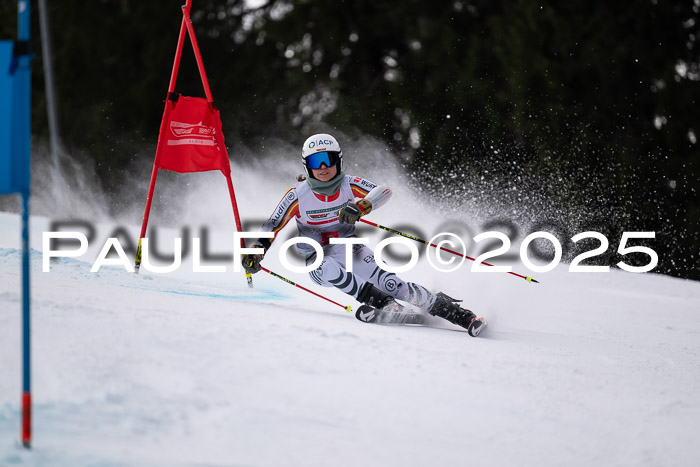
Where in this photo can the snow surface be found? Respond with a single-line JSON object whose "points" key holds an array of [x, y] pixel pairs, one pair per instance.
{"points": [[197, 369]]}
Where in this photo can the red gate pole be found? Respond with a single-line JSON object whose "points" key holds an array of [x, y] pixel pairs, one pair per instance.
{"points": [[207, 91], [154, 174], [197, 55], [248, 276], [147, 212], [180, 45]]}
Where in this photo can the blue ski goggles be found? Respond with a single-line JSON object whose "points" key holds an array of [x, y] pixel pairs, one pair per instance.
{"points": [[330, 158]]}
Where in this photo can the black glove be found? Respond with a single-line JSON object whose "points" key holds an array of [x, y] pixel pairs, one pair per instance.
{"points": [[352, 212], [251, 262]]}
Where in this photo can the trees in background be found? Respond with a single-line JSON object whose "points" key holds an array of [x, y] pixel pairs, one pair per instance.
{"points": [[592, 104]]}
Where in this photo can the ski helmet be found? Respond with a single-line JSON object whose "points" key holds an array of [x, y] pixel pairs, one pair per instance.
{"points": [[320, 149]]}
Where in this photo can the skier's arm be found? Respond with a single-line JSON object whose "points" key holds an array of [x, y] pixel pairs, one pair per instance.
{"points": [[379, 196], [376, 197], [287, 208]]}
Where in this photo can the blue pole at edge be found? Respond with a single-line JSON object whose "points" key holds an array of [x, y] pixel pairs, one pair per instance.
{"points": [[26, 329], [21, 154]]}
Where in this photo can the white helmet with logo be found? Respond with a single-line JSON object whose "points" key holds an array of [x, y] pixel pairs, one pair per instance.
{"points": [[320, 149]]}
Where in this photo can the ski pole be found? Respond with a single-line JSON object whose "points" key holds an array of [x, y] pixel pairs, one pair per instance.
{"points": [[420, 240], [347, 308]]}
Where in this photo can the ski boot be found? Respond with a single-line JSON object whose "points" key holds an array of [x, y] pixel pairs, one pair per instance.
{"points": [[381, 308], [446, 307], [372, 296]]}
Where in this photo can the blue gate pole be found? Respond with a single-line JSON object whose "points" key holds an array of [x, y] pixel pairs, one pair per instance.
{"points": [[21, 168], [26, 329]]}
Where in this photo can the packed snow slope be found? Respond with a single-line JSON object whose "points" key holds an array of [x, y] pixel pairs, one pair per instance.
{"points": [[198, 369]]}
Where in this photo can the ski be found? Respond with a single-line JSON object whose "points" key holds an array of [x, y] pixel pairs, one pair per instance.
{"points": [[368, 314], [401, 316]]}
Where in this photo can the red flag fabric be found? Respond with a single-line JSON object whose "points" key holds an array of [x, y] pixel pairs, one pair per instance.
{"points": [[190, 137]]}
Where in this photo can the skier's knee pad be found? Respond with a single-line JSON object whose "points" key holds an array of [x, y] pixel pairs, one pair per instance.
{"points": [[318, 275], [332, 274], [391, 284]]}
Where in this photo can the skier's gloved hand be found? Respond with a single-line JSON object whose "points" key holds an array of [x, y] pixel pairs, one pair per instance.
{"points": [[251, 262], [352, 212]]}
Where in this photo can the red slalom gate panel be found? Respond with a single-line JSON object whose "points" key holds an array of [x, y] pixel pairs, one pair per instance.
{"points": [[190, 137]]}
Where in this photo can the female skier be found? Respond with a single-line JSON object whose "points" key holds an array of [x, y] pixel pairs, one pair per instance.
{"points": [[324, 205]]}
